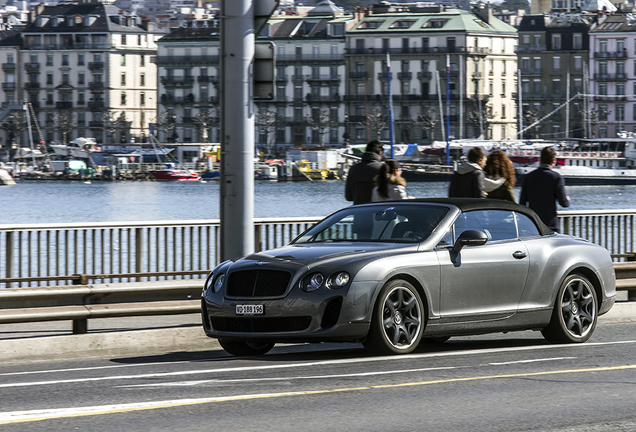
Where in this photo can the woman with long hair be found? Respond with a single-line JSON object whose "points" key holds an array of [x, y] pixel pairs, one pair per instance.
{"points": [[499, 166], [390, 185]]}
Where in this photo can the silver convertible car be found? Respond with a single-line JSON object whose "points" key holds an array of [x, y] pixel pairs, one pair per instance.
{"points": [[394, 274]]}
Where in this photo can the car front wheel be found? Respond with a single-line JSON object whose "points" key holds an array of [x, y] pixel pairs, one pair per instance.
{"points": [[398, 320], [575, 312], [244, 349]]}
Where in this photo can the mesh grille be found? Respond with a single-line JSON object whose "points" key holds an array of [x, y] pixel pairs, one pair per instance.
{"points": [[260, 325], [258, 283]]}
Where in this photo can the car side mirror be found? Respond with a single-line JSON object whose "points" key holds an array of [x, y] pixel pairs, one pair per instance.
{"points": [[470, 238]]}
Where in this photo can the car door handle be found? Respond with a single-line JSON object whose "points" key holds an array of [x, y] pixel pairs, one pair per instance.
{"points": [[519, 255]]}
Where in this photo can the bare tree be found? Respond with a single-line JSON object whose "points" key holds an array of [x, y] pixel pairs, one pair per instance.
{"points": [[266, 121], [13, 125], [321, 122], [64, 123], [427, 119], [592, 117], [377, 122], [167, 122], [479, 117], [530, 117], [109, 124], [204, 120]]}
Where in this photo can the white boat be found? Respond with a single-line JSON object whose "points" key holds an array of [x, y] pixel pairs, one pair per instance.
{"points": [[79, 148], [604, 161]]}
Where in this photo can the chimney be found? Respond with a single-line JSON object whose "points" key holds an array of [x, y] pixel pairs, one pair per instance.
{"points": [[484, 12]]}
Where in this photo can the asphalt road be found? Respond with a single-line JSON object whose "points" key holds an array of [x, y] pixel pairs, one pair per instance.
{"points": [[508, 382]]}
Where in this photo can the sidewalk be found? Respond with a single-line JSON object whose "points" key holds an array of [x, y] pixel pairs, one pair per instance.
{"points": [[154, 335]]}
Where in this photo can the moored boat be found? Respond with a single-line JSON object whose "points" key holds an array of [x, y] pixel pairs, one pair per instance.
{"points": [[169, 173]]}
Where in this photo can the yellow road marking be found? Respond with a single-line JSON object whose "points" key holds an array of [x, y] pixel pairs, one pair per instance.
{"points": [[39, 415]]}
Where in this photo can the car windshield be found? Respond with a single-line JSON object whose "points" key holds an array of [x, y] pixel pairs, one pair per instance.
{"points": [[398, 223]]}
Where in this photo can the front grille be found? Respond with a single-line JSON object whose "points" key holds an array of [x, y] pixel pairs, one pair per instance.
{"points": [[258, 283], [260, 325], [332, 313]]}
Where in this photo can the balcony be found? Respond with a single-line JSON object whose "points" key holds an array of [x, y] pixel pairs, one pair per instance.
{"points": [[531, 72], [419, 50], [8, 66], [208, 79], [405, 75], [357, 75], [32, 66], [96, 85], [8, 85], [96, 104], [297, 78], [611, 54], [281, 78], [177, 81], [64, 105], [166, 60], [530, 48], [613, 98], [32, 85], [95, 124], [291, 58], [332, 78], [309, 98], [477, 75], [96, 65], [383, 76], [424, 75], [610, 77], [170, 99]]}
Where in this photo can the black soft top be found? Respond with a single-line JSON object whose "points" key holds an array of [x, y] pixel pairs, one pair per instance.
{"points": [[469, 204]]}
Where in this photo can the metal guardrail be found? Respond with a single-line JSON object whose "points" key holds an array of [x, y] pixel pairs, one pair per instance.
{"points": [[81, 302]]}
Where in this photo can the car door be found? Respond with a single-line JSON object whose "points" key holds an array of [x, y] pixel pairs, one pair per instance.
{"points": [[483, 282]]}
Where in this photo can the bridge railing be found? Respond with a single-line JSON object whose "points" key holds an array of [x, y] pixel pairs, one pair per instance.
{"points": [[76, 253], [68, 253]]}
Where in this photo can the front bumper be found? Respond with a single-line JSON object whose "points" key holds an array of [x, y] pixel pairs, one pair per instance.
{"points": [[321, 316]]}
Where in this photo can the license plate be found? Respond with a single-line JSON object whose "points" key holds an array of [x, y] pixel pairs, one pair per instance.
{"points": [[250, 310]]}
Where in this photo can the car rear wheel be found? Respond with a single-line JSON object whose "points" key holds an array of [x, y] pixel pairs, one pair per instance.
{"points": [[243, 349], [575, 312], [398, 320]]}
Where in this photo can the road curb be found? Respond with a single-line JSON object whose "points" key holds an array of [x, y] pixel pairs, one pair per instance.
{"points": [[111, 344], [161, 341]]}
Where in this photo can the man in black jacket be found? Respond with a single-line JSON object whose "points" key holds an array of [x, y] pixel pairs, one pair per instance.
{"points": [[469, 180], [543, 187], [360, 182]]}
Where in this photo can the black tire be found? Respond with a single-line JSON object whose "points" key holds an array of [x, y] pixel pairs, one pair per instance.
{"points": [[575, 312], [398, 320], [245, 349]]}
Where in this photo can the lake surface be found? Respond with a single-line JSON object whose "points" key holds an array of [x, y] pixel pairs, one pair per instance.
{"points": [[75, 201]]}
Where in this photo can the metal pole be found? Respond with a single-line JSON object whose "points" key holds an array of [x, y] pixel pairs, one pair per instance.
{"points": [[461, 96], [388, 77], [567, 108], [447, 109], [441, 108], [237, 128], [519, 92]]}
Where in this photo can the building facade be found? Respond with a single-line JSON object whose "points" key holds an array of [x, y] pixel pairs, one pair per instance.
{"points": [[553, 55], [612, 89], [432, 51], [86, 70]]}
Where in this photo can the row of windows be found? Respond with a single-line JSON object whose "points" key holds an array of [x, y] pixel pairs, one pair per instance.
{"points": [[81, 98], [80, 59]]}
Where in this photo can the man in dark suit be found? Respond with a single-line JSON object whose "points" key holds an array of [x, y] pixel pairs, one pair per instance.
{"points": [[361, 177], [543, 187]]}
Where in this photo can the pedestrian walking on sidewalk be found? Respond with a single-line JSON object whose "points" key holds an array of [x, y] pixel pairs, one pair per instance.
{"points": [[499, 166], [469, 180], [390, 183]]}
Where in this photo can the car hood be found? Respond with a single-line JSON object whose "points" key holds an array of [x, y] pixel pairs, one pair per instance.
{"points": [[312, 255]]}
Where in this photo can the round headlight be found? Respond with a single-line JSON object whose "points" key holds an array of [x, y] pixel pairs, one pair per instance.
{"points": [[312, 282], [340, 280], [218, 283], [208, 283]]}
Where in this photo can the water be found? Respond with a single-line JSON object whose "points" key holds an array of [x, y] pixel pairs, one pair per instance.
{"points": [[60, 201]]}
